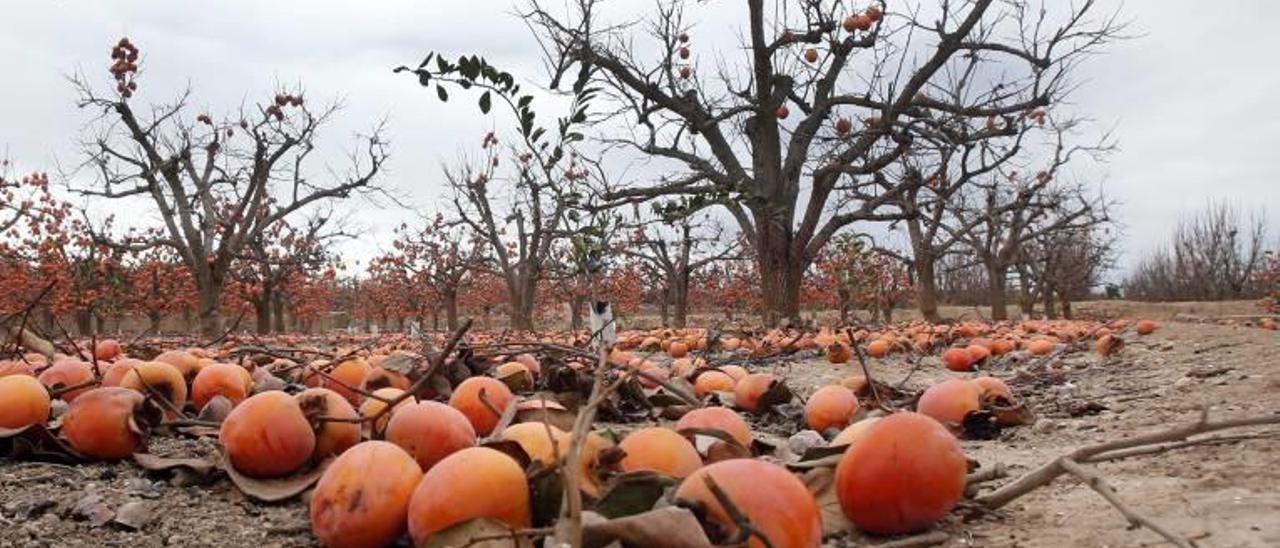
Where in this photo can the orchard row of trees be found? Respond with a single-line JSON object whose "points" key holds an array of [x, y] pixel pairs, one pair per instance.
{"points": [[765, 162], [933, 121], [1218, 253], [48, 250]]}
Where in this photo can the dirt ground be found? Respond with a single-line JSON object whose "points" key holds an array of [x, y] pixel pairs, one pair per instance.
{"points": [[1220, 496]]}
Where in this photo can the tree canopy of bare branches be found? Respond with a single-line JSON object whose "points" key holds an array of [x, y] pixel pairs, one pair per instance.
{"points": [[720, 117], [217, 185], [1212, 255], [670, 258]]}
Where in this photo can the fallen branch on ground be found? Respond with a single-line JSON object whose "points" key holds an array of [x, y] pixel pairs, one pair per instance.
{"points": [[1156, 442], [933, 538], [1099, 485]]}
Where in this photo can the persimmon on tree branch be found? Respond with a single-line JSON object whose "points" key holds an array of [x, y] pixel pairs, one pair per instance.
{"points": [[216, 184]]}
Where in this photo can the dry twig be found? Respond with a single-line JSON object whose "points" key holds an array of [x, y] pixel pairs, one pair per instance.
{"points": [[1156, 442], [1099, 485], [932, 538]]}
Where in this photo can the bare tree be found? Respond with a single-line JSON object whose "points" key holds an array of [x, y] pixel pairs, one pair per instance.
{"points": [[982, 188], [216, 185], [932, 228], [997, 216], [524, 210], [274, 256], [1063, 266], [721, 127], [672, 257], [441, 258], [520, 218], [1212, 256]]}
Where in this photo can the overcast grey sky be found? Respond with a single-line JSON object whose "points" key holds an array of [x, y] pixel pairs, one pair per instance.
{"points": [[1190, 99]]}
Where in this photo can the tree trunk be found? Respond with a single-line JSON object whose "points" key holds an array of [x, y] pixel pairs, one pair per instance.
{"points": [[84, 323], [277, 313], [1026, 301], [451, 310], [663, 311], [262, 308], [153, 322], [927, 286], [520, 302], [842, 296], [780, 274], [210, 314], [1065, 301], [997, 297], [680, 300], [1050, 311], [576, 304], [781, 294]]}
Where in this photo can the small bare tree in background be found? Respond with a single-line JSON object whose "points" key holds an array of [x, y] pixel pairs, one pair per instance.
{"points": [[274, 256], [997, 216], [520, 214], [440, 259], [672, 257], [1213, 255], [1062, 266]]}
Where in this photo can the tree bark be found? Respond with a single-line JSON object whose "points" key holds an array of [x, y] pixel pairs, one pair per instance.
{"points": [[277, 313], [1066, 305], [1026, 301], [664, 312], [1050, 311], [520, 302], [927, 286], [997, 297], [780, 274], [210, 314], [680, 300], [451, 310], [84, 323], [262, 309], [842, 294]]}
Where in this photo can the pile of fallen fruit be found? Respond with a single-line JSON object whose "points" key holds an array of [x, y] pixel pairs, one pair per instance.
{"points": [[470, 439]]}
